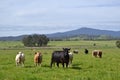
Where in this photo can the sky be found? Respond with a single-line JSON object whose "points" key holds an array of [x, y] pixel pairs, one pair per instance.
{"points": [[18, 17]]}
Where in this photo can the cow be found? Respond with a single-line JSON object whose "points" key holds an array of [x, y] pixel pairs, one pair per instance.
{"points": [[70, 58], [86, 51], [37, 58], [75, 51], [97, 53], [20, 59], [60, 57]]}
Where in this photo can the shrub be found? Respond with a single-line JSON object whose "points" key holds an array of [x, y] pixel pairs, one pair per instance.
{"points": [[118, 43]]}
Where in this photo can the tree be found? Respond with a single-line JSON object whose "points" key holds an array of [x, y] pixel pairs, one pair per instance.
{"points": [[118, 43], [28, 41], [35, 40]]}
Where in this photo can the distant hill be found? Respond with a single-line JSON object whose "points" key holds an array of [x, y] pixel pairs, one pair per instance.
{"points": [[84, 32], [12, 38]]}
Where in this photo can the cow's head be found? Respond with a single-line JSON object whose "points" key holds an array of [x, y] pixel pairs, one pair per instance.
{"points": [[66, 49]]}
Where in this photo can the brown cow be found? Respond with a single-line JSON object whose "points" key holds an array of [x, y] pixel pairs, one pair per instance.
{"points": [[38, 58], [97, 53]]}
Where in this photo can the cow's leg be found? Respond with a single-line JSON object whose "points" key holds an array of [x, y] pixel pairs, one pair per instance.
{"points": [[63, 65], [51, 64], [19, 63], [39, 64], [54, 64], [100, 55], [57, 64], [67, 65], [23, 63], [70, 62], [35, 63], [96, 54], [16, 63]]}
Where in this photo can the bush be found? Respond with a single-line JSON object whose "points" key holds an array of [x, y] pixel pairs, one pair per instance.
{"points": [[118, 43], [35, 40]]}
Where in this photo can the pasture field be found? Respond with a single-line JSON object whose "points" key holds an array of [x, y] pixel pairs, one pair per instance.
{"points": [[84, 66]]}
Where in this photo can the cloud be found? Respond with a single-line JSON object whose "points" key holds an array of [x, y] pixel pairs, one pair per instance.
{"points": [[62, 13]]}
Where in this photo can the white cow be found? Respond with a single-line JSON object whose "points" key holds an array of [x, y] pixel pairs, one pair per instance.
{"points": [[20, 58], [70, 58]]}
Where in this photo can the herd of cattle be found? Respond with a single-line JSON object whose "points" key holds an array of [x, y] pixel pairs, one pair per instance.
{"points": [[64, 57]]}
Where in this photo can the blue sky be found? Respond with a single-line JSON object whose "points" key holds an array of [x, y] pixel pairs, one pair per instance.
{"points": [[19, 17]]}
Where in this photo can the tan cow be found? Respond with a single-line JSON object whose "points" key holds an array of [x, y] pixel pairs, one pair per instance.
{"points": [[38, 58], [97, 53]]}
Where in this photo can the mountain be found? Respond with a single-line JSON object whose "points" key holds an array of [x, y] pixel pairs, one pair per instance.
{"points": [[86, 32], [12, 38]]}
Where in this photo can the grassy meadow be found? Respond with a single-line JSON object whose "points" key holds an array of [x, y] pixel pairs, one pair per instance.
{"points": [[84, 66]]}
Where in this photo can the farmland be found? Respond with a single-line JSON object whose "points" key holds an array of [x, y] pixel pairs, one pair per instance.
{"points": [[84, 67]]}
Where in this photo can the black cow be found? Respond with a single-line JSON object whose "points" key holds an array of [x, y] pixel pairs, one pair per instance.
{"points": [[86, 51], [60, 57]]}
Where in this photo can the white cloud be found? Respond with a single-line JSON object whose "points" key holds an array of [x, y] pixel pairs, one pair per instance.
{"points": [[52, 13]]}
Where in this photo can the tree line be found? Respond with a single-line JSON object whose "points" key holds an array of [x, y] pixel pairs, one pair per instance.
{"points": [[35, 40], [42, 40]]}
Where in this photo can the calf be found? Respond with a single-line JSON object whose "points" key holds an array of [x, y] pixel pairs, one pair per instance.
{"points": [[20, 58], [97, 53], [38, 58], [75, 51], [60, 57], [70, 58]]}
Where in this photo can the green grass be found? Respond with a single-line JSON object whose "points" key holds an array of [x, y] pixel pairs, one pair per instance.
{"points": [[10, 44], [84, 67]]}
